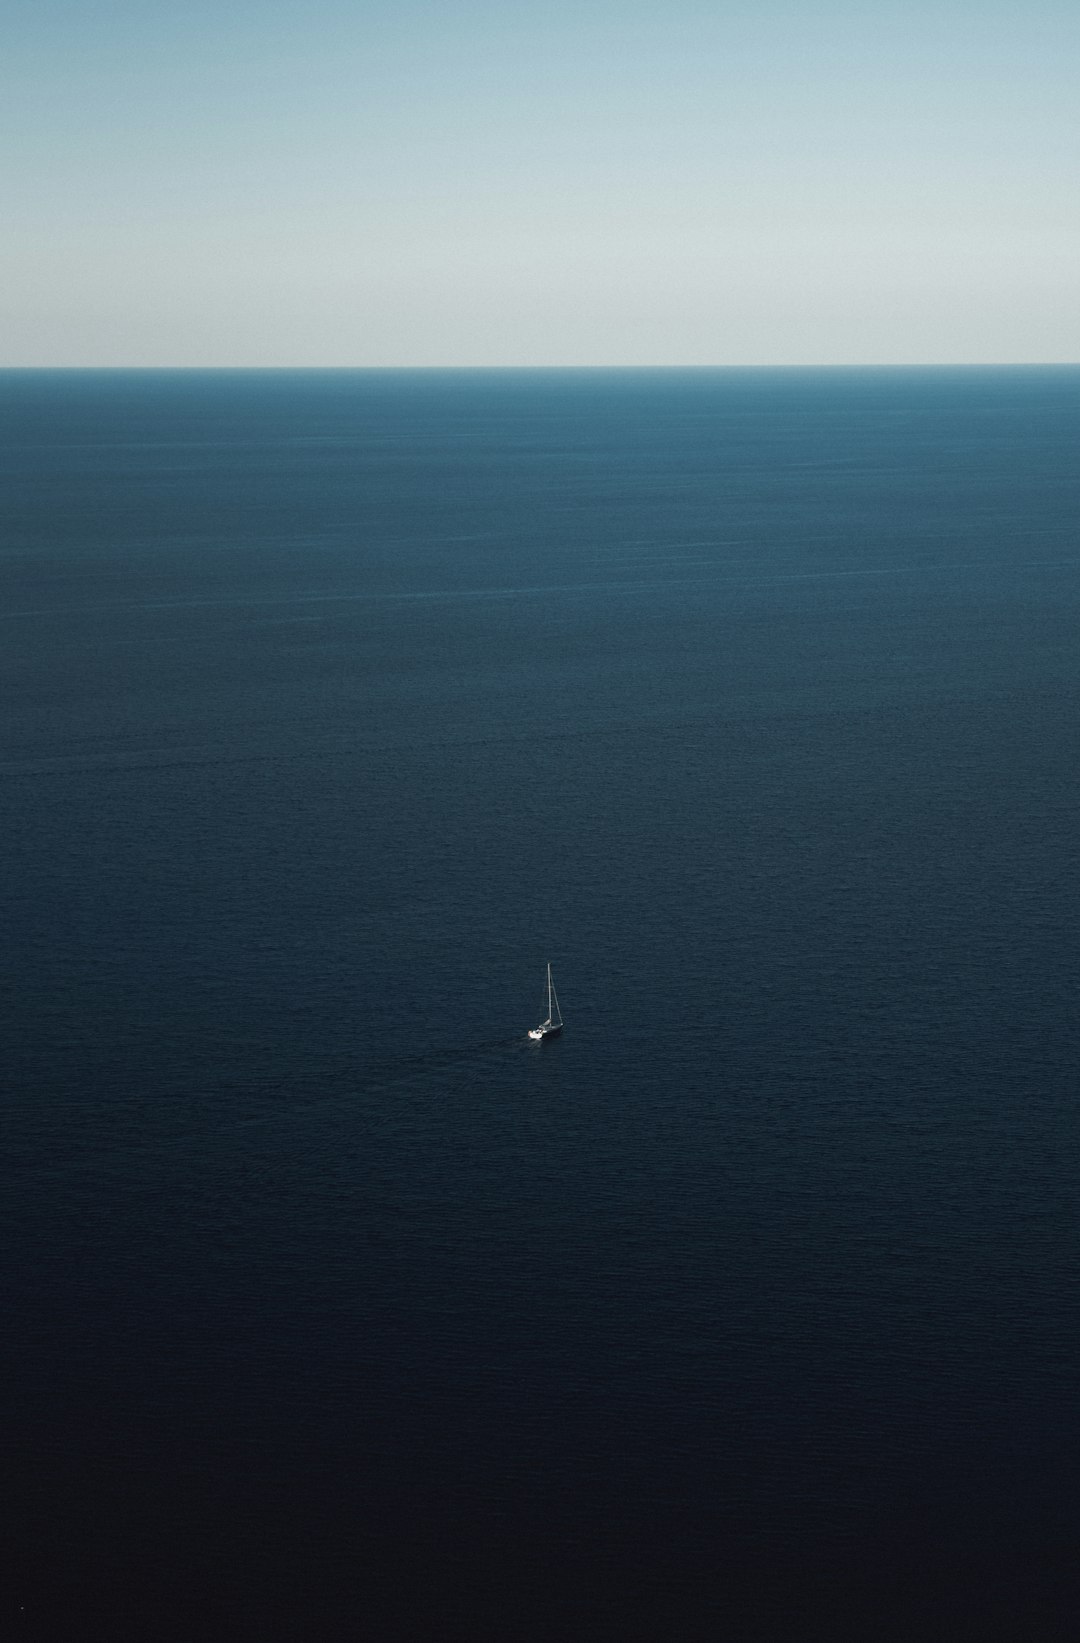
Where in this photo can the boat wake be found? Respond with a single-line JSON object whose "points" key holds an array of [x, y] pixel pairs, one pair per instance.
{"points": [[406, 1066]]}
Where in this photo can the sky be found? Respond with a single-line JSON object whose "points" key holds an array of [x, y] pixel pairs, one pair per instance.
{"points": [[558, 182]]}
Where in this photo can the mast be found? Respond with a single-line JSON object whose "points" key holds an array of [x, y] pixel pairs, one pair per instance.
{"points": [[554, 1016]]}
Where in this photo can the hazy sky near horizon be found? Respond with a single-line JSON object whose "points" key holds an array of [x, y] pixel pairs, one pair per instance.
{"points": [[597, 182]]}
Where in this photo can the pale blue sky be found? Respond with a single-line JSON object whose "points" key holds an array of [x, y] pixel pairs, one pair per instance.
{"points": [[407, 183]]}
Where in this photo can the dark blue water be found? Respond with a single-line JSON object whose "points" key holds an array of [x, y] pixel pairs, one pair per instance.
{"points": [[333, 706]]}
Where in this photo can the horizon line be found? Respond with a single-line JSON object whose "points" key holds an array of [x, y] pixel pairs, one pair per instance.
{"points": [[789, 365]]}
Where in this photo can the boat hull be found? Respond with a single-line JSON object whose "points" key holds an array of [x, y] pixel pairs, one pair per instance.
{"points": [[544, 1032]]}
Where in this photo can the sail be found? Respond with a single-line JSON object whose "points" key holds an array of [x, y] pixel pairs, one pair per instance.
{"points": [[553, 1022]]}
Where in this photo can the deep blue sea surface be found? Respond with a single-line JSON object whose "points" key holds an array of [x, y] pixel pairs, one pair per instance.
{"points": [[334, 705]]}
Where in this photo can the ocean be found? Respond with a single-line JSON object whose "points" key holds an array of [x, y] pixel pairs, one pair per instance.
{"points": [[334, 706]]}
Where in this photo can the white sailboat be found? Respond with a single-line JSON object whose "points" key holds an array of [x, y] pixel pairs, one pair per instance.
{"points": [[553, 1025]]}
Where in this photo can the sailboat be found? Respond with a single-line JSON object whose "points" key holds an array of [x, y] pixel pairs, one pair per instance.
{"points": [[553, 1025]]}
